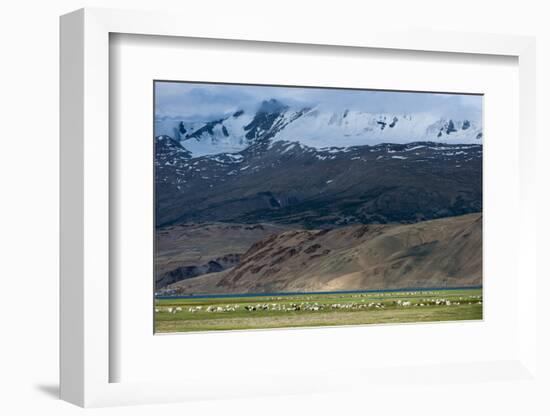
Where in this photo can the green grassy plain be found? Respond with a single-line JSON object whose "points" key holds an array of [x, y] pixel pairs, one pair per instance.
{"points": [[309, 310]]}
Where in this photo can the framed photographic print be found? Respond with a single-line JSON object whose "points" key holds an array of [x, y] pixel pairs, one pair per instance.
{"points": [[282, 206], [274, 207]]}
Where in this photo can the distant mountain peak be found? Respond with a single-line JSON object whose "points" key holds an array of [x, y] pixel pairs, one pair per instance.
{"points": [[272, 106]]}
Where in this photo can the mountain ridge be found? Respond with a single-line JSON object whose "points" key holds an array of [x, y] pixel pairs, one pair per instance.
{"points": [[291, 183], [315, 126], [436, 253]]}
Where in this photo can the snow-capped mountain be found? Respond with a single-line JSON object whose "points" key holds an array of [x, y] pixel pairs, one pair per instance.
{"points": [[316, 167], [316, 127]]}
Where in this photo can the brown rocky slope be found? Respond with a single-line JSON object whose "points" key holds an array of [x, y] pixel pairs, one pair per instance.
{"points": [[437, 253]]}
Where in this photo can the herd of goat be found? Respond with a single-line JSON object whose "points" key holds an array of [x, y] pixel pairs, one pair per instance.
{"points": [[316, 306]]}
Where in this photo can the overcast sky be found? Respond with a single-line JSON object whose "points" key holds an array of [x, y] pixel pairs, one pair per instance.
{"points": [[193, 101]]}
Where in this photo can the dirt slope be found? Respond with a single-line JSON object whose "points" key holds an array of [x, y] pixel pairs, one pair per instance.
{"points": [[437, 253]]}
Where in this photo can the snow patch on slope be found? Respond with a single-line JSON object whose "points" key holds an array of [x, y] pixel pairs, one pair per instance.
{"points": [[321, 129]]}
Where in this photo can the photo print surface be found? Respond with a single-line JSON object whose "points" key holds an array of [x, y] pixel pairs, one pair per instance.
{"points": [[284, 206]]}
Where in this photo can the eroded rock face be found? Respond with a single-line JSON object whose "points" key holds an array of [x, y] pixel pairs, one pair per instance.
{"points": [[186, 272]]}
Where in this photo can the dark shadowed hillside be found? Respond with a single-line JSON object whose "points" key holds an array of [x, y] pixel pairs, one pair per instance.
{"points": [[288, 183], [185, 251]]}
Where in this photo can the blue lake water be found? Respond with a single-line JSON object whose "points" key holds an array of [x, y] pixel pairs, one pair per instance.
{"points": [[339, 292]]}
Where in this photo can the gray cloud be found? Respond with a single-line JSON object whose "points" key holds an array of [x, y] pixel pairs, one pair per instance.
{"points": [[194, 101]]}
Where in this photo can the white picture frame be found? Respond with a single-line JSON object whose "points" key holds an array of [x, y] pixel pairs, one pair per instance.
{"points": [[86, 356]]}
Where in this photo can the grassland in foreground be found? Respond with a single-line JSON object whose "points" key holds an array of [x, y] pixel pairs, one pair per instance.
{"points": [[211, 314]]}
